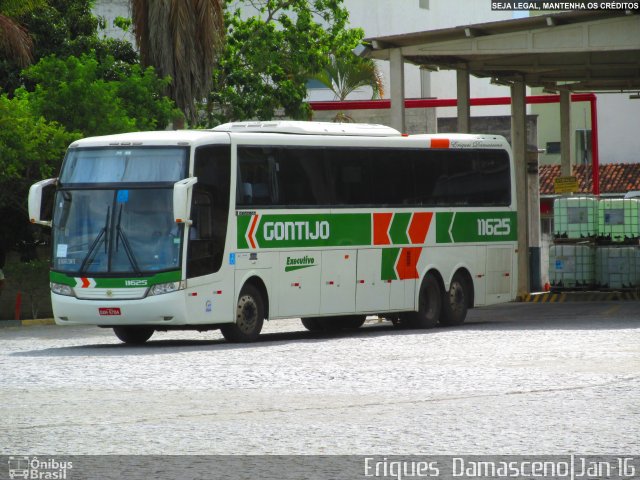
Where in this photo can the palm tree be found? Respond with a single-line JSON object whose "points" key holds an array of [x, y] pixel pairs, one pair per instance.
{"points": [[181, 39], [15, 42], [344, 75]]}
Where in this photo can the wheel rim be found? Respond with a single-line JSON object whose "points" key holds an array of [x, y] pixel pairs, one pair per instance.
{"points": [[247, 314], [456, 297]]}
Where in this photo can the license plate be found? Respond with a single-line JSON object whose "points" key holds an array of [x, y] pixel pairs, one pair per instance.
{"points": [[109, 311]]}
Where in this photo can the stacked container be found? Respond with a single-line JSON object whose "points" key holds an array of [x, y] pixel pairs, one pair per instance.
{"points": [[575, 218], [617, 267], [572, 266], [618, 220], [597, 244]]}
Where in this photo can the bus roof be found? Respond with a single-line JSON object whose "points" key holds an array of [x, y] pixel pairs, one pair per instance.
{"points": [[310, 128], [299, 129], [160, 137]]}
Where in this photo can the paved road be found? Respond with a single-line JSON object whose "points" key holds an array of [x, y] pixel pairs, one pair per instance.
{"points": [[516, 379]]}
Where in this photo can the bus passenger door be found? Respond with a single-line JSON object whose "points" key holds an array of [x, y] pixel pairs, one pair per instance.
{"points": [[299, 285], [338, 283], [372, 293], [498, 286]]}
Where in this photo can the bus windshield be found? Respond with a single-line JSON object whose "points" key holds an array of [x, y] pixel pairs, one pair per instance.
{"points": [[124, 165], [115, 231]]}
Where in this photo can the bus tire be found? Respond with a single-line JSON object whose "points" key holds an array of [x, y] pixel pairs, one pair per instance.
{"points": [[455, 302], [352, 322], [133, 335], [333, 324], [429, 305], [249, 317], [312, 324]]}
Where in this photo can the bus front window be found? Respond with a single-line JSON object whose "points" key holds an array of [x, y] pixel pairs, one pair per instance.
{"points": [[128, 231]]}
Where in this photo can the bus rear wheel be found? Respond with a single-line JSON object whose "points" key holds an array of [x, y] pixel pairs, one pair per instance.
{"points": [[312, 324], [249, 317], [133, 335], [429, 305], [455, 302], [353, 321]]}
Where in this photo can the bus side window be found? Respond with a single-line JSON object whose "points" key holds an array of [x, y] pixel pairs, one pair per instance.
{"points": [[351, 169], [303, 177], [257, 176]]}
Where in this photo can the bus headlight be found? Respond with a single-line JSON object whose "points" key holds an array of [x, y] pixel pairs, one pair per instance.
{"points": [[61, 289], [163, 288]]}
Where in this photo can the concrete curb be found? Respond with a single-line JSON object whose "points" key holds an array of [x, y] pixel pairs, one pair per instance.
{"points": [[27, 323], [558, 297]]}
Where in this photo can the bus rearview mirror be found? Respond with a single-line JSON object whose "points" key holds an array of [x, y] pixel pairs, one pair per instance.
{"points": [[182, 199], [41, 201]]}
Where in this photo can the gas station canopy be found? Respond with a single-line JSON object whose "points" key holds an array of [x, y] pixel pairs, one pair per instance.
{"points": [[574, 50]]}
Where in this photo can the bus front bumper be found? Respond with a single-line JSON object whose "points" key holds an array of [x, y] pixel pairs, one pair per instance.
{"points": [[167, 309]]}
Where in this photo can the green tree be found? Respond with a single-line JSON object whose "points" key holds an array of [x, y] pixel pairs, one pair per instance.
{"points": [[56, 27], [98, 98], [270, 56], [31, 148], [346, 74], [15, 43], [181, 39]]}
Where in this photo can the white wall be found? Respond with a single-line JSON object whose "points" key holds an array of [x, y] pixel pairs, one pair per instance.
{"points": [[110, 9], [618, 128], [391, 17]]}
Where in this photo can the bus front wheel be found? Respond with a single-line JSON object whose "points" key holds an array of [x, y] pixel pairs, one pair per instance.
{"points": [[455, 302], [249, 317], [429, 305], [133, 335]]}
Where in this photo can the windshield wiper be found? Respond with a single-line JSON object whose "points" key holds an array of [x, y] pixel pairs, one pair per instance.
{"points": [[93, 249], [120, 235]]}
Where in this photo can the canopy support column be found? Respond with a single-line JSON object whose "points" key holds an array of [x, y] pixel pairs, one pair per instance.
{"points": [[464, 100], [397, 89], [519, 147]]}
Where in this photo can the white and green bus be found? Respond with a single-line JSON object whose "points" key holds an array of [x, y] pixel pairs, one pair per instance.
{"points": [[255, 221]]}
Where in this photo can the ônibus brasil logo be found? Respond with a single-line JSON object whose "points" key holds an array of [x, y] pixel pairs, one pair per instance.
{"points": [[37, 468]]}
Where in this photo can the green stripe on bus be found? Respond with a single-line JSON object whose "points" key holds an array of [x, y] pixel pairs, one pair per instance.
{"points": [[398, 229], [389, 259], [122, 282], [304, 231], [465, 227]]}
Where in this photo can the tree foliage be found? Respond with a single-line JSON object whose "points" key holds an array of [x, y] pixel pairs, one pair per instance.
{"points": [[31, 148], [98, 98], [346, 74], [16, 45], [57, 27], [182, 39], [270, 56]]}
